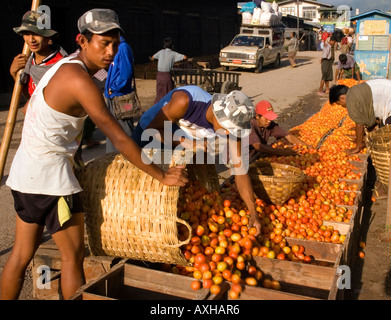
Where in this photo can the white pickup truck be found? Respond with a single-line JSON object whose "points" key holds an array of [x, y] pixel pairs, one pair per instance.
{"points": [[253, 48]]}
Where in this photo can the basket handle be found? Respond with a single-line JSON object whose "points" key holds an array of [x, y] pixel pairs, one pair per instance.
{"points": [[181, 243]]}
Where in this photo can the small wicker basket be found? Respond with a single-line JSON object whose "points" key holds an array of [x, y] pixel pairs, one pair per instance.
{"points": [[275, 183], [129, 214], [379, 146]]}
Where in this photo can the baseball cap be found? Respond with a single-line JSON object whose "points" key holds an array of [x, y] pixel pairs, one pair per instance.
{"points": [[99, 21], [30, 23], [264, 108], [233, 111]]}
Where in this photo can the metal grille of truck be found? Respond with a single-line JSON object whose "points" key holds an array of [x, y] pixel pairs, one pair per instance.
{"points": [[237, 55]]}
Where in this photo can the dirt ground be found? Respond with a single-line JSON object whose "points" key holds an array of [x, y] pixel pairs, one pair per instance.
{"points": [[293, 95]]}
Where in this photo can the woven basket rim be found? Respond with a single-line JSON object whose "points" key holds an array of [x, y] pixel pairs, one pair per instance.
{"points": [[298, 173]]}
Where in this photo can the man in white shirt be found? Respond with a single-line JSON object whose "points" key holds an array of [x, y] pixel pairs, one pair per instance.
{"points": [[326, 62], [166, 59]]}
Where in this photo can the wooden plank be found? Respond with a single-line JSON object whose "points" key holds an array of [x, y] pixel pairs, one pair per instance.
{"points": [[166, 289], [127, 281], [321, 251], [297, 273], [258, 293], [90, 296], [165, 282]]}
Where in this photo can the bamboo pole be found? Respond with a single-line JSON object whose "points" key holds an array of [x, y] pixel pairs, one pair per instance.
{"points": [[13, 110]]}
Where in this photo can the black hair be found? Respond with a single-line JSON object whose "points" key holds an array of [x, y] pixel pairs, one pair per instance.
{"points": [[343, 57], [293, 34], [336, 91], [88, 34], [334, 38], [167, 43]]}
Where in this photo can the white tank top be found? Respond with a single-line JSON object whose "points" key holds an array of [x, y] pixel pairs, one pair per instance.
{"points": [[381, 96], [43, 163]]}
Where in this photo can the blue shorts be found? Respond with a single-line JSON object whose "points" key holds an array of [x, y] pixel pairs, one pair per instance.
{"points": [[46, 210]]}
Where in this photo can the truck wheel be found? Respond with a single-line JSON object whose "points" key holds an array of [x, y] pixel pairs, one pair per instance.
{"points": [[227, 87], [277, 63], [259, 68], [225, 68]]}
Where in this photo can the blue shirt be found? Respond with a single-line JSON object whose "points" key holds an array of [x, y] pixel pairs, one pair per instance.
{"points": [[120, 74]]}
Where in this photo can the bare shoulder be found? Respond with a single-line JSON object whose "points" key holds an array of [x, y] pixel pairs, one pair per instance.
{"points": [[72, 74], [69, 88], [178, 104]]}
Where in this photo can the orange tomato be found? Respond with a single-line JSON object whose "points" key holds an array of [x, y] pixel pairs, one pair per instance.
{"points": [[207, 283], [233, 294], [215, 289], [195, 285], [251, 281], [227, 203]]}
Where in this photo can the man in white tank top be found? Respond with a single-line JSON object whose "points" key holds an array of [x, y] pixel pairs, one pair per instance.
{"points": [[45, 189]]}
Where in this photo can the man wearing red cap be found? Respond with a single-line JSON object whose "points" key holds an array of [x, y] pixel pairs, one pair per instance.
{"points": [[263, 127]]}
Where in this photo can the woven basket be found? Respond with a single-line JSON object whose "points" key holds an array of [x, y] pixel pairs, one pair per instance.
{"points": [[275, 183], [129, 214], [379, 146]]}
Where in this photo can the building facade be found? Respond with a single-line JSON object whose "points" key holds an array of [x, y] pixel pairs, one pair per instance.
{"points": [[317, 12]]}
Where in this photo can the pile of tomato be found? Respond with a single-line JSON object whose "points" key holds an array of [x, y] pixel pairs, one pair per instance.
{"points": [[222, 245]]}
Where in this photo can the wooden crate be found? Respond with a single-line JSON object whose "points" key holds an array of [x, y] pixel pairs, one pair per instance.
{"points": [[48, 255], [360, 165], [316, 281], [354, 215], [259, 293], [360, 181], [347, 230], [126, 281]]}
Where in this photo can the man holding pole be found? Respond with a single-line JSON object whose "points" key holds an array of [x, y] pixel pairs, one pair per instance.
{"points": [[45, 189], [44, 52]]}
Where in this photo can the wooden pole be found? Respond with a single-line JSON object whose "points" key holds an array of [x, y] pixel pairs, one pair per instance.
{"points": [[387, 235], [13, 110]]}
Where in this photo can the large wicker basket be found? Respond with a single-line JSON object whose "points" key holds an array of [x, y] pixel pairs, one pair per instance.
{"points": [[129, 214], [379, 146], [275, 183]]}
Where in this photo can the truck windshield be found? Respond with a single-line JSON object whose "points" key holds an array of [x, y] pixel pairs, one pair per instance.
{"points": [[248, 41]]}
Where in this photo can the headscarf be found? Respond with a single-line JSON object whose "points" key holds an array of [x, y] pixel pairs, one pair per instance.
{"points": [[359, 103], [36, 72]]}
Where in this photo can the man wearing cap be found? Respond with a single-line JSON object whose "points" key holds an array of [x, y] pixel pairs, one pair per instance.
{"points": [[44, 52], [201, 115], [263, 127], [42, 180]]}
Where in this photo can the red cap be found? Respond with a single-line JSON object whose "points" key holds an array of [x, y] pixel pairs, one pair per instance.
{"points": [[264, 108]]}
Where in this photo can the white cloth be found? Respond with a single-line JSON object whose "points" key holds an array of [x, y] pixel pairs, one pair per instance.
{"points": [[43, 163], [381, 96]]}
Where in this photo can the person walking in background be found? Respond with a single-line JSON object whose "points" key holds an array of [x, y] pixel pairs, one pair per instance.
{"points": [[293, 47], [44, 53], [326, 62], [345, 48], [119, 83], [166, 59]]}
